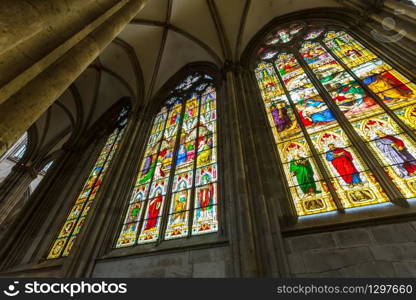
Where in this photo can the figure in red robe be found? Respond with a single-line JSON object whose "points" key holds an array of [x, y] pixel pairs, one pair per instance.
{"points": [[341, 159], [205, 199], [153, 212]]}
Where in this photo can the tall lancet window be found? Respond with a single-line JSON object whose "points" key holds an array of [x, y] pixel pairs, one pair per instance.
{"points": [[175, 192], [86, 198], [343, 119]]}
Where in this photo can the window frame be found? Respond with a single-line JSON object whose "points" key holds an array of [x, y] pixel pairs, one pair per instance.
{"points": [[290, 222], [191, 241]]}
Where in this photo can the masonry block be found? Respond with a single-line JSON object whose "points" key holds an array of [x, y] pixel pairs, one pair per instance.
{"points": [[394, 233], [171, 259], [209, 255], [370, 269], [209, 270], [181, 271], [312, 241], [296, 263], [331, 259], [405, 269], [352, 237], [413, 224], [329, 274], [398, 252]]}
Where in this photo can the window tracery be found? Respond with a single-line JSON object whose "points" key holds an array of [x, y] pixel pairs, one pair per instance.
{"points": [[342, 119]]}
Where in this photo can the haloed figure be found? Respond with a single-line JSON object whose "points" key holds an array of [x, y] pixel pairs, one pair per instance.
{"points": [[395, 150], [302, 169], [342, 161], [280, 117]]}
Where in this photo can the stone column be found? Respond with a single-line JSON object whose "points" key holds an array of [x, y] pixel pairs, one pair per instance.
{"points": [[67, 37], [27, 240], [239, 211], [271, 203], [13, 188], [109, 201], [263, 198], [22, 20]]}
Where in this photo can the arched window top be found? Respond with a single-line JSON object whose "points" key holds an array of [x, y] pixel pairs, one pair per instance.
{"points": [[195, 83], [291, 36], [46, 167], [342, 118], [19, 149], [175, 191]]}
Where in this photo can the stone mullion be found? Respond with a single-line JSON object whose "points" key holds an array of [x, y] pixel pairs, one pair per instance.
{"points": [[267, 223], [241, 228], [391, 114], [192, 209], [311, 146], [389, 187]]}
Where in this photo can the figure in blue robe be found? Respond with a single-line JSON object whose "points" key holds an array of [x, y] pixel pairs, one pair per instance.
{"points": [[181, 155], [321, 116]]}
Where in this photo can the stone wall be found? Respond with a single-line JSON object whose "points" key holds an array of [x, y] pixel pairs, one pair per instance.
{"points": [[377, 251], [201, 263]]}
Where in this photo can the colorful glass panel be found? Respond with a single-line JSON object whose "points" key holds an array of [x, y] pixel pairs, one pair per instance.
{"points": [[394, 150], [354, 79], [308, 192], [356, 104], [183, 152], [391, 86], [79, 211], [343, 164]]}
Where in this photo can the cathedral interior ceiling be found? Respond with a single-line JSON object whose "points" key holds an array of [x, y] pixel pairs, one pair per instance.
{"points": [[161, 39]]}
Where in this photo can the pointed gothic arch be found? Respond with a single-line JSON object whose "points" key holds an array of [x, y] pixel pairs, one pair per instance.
{"points": [[320, 82]]}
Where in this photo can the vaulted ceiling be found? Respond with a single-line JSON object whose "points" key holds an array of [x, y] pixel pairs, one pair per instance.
{"points": [[168, 34], [160, 40]]}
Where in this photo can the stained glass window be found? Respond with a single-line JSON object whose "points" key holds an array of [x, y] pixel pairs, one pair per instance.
{"points": [[71, 228], [46, 167], [339, 114], [20, 151], [175, 192]]}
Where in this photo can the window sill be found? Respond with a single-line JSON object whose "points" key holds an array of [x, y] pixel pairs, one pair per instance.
{"points": [[354, 217], [195, 242]]}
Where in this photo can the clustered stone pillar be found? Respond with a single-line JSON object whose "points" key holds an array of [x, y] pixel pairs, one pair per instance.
{"points": [[12, 189], [44, 46], [240, 224]]}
